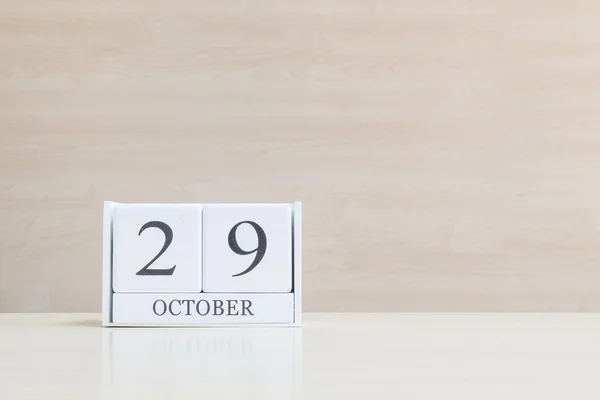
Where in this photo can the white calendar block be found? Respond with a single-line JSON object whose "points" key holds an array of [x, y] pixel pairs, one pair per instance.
{"points": [[203, 309], [157, 248], [247, 248], [202, 265]]}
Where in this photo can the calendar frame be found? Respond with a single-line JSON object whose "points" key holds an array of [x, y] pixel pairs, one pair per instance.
{"points": [[107, 276]]}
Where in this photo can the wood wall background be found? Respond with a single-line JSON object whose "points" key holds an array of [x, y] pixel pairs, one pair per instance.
{"points": [[447, 152]]}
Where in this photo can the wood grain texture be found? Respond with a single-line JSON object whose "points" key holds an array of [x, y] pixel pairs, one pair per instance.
{"points": [[447, 153]]}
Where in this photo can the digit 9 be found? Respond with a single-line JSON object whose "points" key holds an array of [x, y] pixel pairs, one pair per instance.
{"points": [[260, 249]]}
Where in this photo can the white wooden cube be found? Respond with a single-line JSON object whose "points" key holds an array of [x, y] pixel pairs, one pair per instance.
{"points": [[155, 272], [157, 248], [247, 248]]}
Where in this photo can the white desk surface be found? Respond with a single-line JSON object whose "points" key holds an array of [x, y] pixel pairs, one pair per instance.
{"points": [[333, 356]]}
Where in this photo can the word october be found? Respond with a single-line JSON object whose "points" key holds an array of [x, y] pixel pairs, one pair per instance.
{"points": [[202, 307]]}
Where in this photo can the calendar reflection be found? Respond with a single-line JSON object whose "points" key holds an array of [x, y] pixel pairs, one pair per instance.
{"points": [[263, 357]]}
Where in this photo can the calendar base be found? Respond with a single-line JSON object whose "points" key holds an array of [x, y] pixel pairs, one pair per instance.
{"points": [[202, 309]]}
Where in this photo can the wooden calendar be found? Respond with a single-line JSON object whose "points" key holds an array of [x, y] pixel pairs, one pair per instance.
{"points": [[202, 264]]}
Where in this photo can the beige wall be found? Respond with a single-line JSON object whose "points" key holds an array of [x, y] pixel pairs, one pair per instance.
{"points": [[447, 152]]}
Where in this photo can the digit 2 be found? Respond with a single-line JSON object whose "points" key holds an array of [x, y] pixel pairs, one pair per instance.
{"points": [[260, 250], [166, 229]]}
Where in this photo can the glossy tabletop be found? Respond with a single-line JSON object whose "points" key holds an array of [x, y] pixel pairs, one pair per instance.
{"points": [[333, 356]]}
